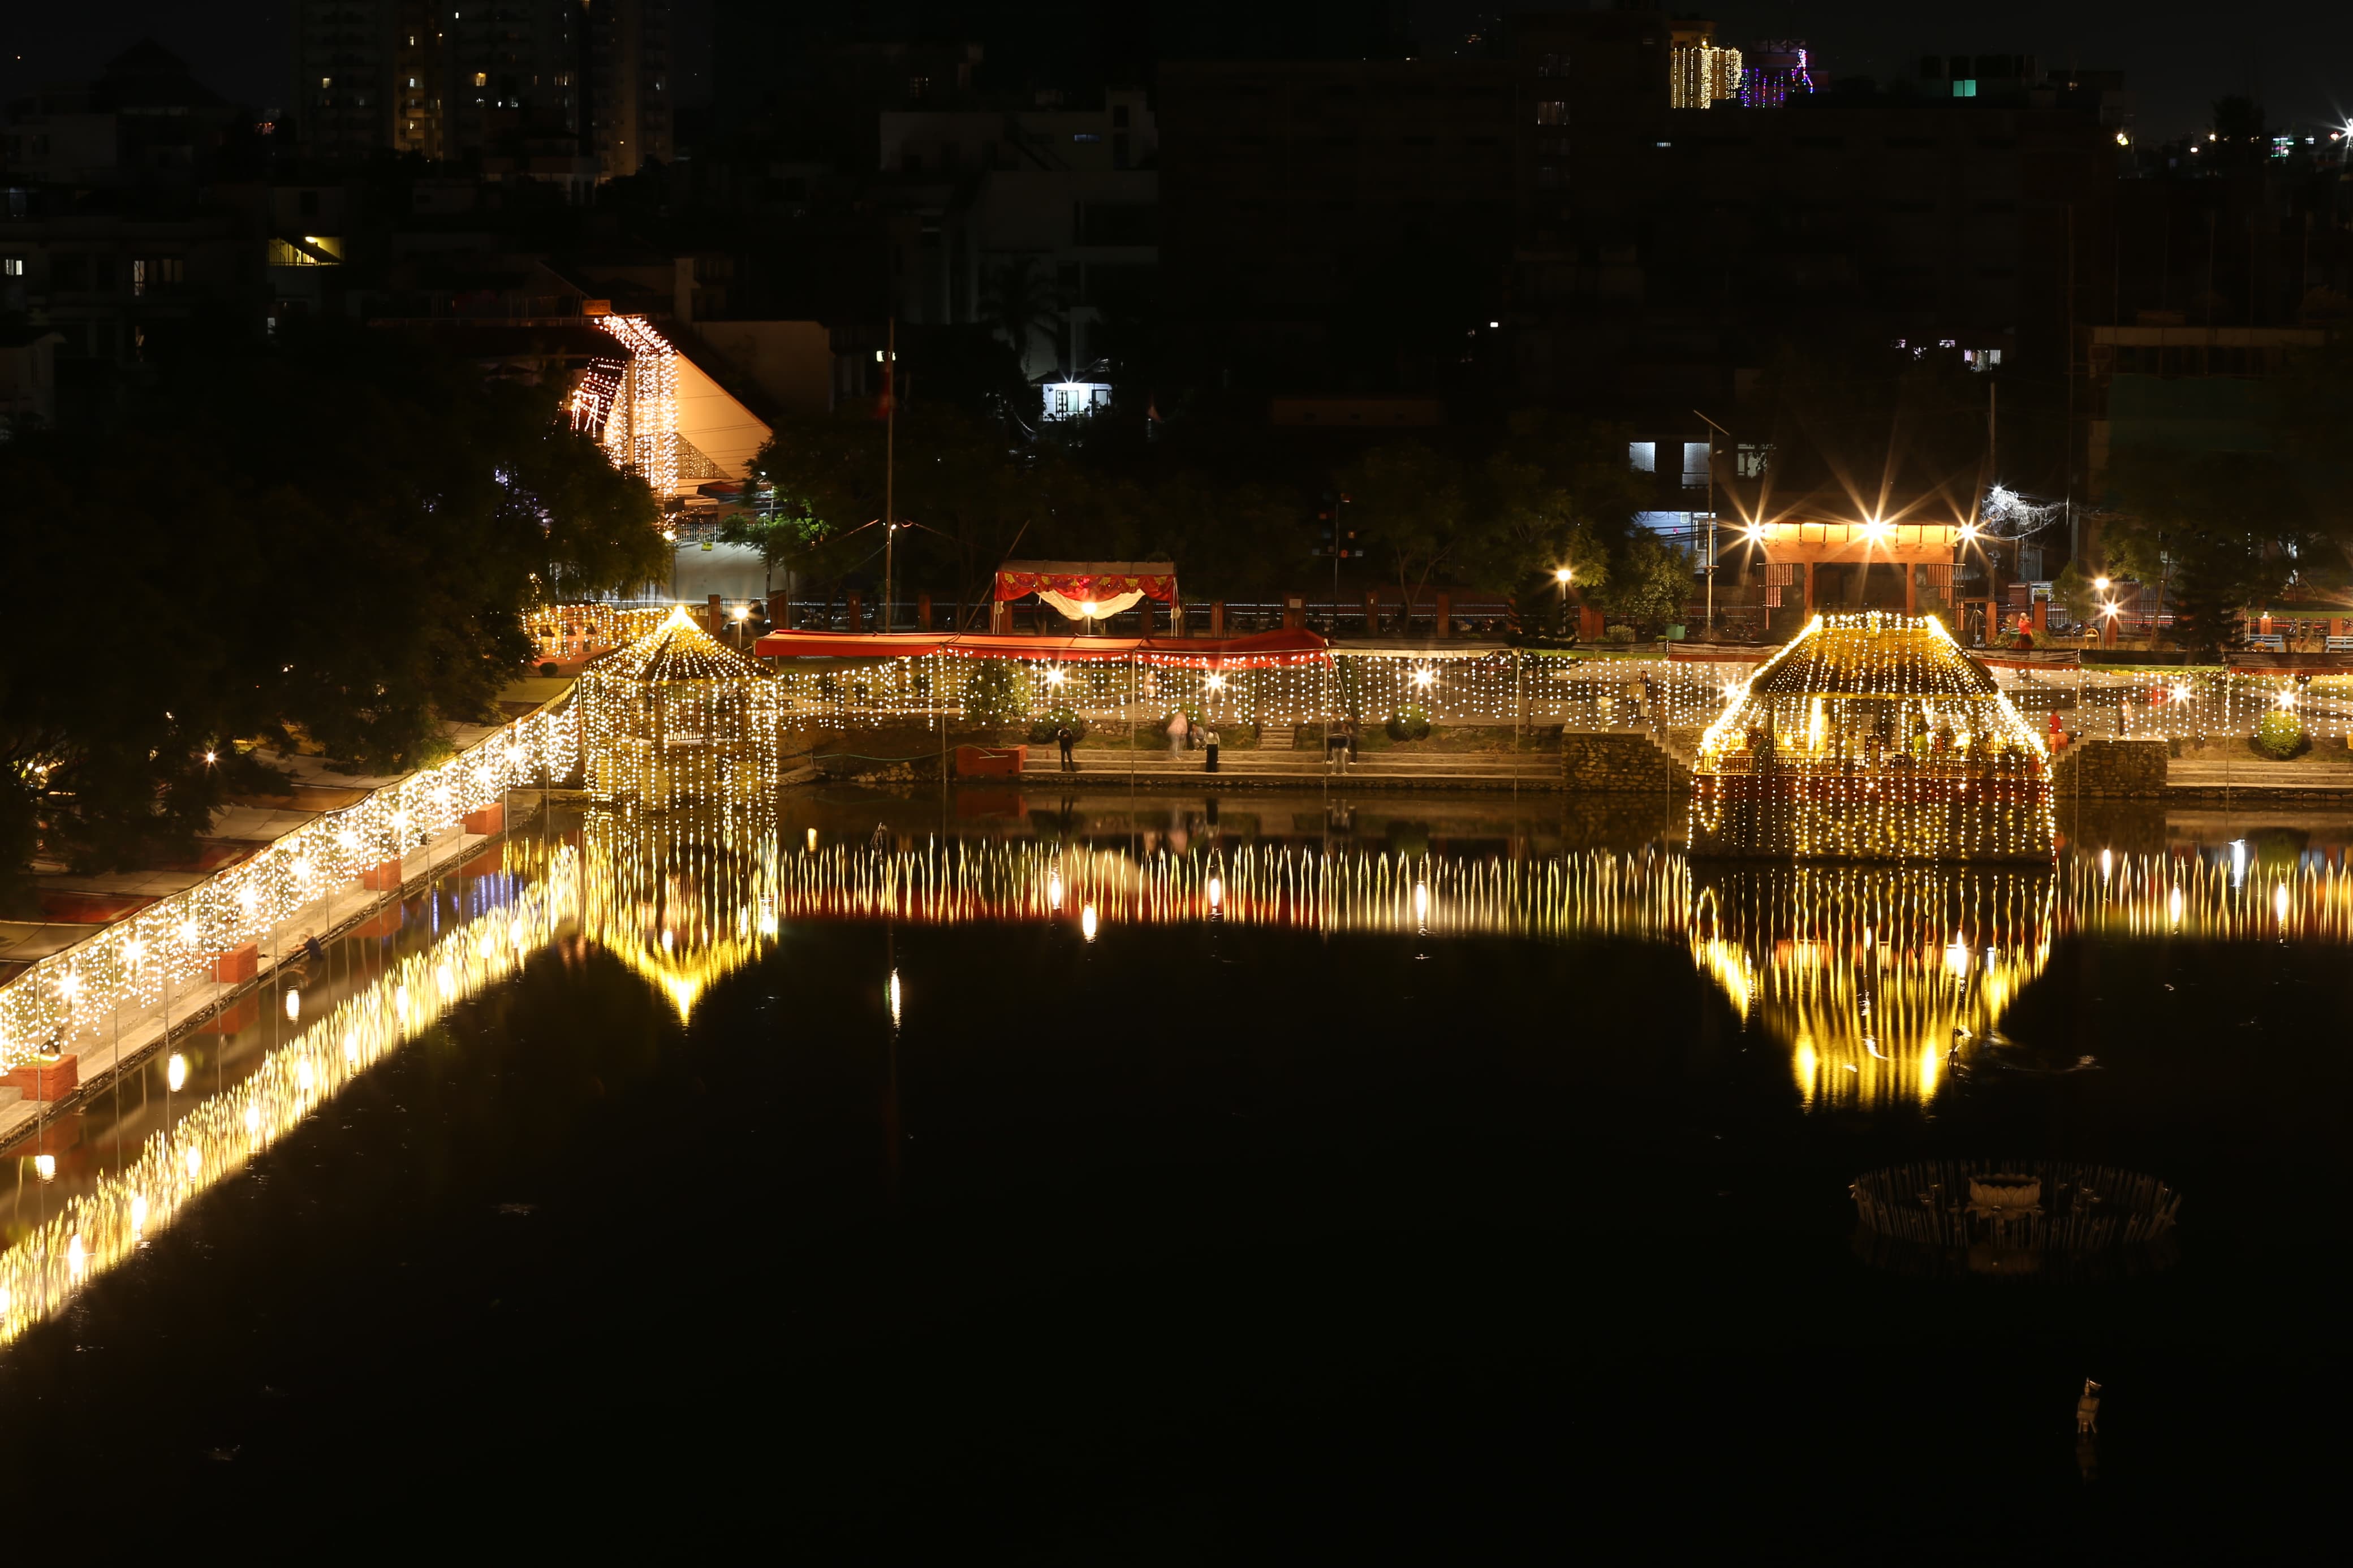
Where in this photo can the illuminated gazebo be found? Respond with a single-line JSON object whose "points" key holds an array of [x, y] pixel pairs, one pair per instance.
{"points": [[678, 716], [1872, 737]]}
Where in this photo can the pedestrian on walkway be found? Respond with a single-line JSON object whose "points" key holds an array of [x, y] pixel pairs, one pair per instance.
{"points": [[1064, 739], [1209, 746], [1180, 730]]}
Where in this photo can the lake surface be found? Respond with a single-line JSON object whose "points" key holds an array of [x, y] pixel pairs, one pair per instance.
{"points": [[1119, 1176]]}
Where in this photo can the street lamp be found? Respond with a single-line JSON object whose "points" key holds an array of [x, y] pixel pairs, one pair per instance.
{"points": [[1563, 575]]}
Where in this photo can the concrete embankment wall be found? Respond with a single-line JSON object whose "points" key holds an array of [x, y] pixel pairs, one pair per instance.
{"points": [[2111, 769], [1618, 761]]}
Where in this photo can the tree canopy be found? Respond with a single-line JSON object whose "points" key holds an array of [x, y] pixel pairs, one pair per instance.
{"points": [[336, 538]]}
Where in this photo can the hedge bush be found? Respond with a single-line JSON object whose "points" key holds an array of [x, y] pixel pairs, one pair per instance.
{"points": [[2279, 733], [1041, 733], [1409, 724]]}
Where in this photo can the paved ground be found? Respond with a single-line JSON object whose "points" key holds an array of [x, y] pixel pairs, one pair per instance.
{"points": [[1303, 769]]}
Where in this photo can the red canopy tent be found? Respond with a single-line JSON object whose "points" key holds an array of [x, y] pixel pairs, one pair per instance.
{"points": [[1259, 650]]}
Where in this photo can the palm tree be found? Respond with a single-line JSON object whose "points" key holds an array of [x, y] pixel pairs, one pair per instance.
{"points": [[1022, 300]]}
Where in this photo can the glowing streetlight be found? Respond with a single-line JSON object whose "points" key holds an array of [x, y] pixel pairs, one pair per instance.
{"points": [[1087, 922], [2099, 584], [1563, 575]]}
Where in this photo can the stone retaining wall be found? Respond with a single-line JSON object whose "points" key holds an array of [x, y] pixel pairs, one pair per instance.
{"points": [[1618, 761], [2111, 769]]}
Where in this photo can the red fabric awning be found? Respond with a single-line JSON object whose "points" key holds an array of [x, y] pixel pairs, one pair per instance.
{"points": [[1259, 649], [1083, 579]]}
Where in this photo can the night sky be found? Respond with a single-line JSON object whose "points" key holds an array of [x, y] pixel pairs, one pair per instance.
{"points": [[2296, 55]]}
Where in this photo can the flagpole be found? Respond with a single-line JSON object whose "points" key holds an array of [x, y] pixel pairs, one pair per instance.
{"points": [[890, 460]]}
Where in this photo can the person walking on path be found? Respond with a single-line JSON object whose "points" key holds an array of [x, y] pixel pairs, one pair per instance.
{"points": [[1179, 729], [1064, 739], [1210, 747]]}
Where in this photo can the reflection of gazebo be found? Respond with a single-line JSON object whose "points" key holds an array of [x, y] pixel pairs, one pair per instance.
{"points": [[1084, 590], [678, 716], [684, 898], [1876, 980], [1872, 737]]}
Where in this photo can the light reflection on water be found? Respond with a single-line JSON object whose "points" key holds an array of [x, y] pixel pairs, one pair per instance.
{"points": [[1877, 981]]}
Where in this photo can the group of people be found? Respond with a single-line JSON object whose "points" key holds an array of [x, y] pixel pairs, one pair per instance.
{"points": [[1183, 735]]}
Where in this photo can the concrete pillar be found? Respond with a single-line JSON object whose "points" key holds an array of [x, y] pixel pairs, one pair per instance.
{"points": [[1294, 612]]}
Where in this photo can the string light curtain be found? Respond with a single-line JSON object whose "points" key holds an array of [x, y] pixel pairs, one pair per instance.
{"points": [[93, 1231], [1872, 737], [575, 631], [638, 398], [136, 960], [677, 717]]}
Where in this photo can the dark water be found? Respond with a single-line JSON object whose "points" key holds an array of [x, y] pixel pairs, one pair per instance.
{"points": [[1211, 1238]]}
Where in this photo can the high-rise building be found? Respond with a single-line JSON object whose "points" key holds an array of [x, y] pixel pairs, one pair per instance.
{"points": [[629, 61], [456, 77]]}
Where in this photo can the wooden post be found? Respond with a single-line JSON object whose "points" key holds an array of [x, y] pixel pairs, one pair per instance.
{"points": [[857, 609], [714, 616], [780, 612], [1911, 589], [1372, 613], [1217, 617], [924, 611], [1806, 570], [1445, 627]]}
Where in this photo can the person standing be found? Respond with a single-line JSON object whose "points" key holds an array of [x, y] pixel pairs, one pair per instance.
{"points": [[1209, 749], [1064, 739], [1179, 729]]}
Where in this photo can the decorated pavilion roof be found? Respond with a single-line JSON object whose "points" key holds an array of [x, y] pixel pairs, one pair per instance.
{"points": [[1873, 655], [679, 650]]}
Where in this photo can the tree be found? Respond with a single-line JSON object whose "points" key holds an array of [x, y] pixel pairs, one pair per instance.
{"points": [[333, 536], [1652, 582], [1407, 501], [2225, 530], [1558, 494]]}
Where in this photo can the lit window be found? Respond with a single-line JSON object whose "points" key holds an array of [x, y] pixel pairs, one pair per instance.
{"points": [[481, 79], [12, 266], [326, 81]]}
